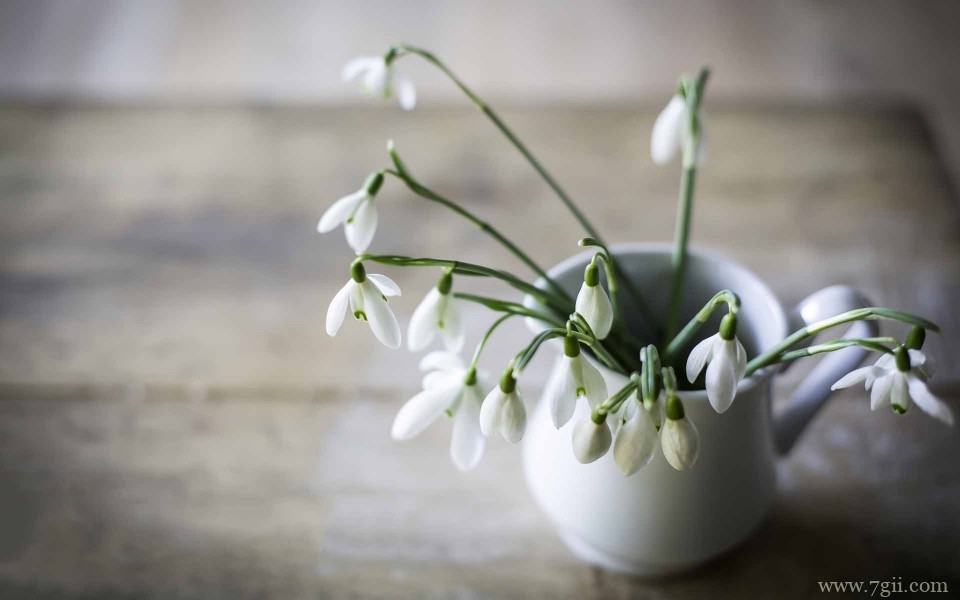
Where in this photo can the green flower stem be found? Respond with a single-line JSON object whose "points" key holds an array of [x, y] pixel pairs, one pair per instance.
{"points": [[876, 344], [489, 112], [465, 268], [508, 307], [614, 275], [694, 93], [486, 336], [610, 404], [404, 175], [677, 343], [772, 355]]}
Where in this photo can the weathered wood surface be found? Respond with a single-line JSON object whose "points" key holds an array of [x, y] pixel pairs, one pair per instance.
{"points": [[176, 423]]}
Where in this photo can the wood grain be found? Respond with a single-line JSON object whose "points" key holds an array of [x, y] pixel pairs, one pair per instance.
{"points": [[174, 422]]}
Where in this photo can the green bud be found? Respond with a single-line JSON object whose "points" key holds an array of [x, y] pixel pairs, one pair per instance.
{"points": [[597, 417], [373, 183], [470, 378], [357, 272], [445, 283], [591, 275], [507, 383], [728, 326], [674, 408], [916, 337], [390, 55], [571, 346], [903, 358]]}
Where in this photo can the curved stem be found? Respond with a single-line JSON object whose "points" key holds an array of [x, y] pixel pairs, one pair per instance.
{"points": [[403, 174], [612, 268], [874, 312], [876, 344], [677, 343], [486, 336], [464, 268], [513, 308], [489, 112]]}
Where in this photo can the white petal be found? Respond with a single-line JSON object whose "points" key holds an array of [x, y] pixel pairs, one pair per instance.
{"points": [[406, 93], [340, 211], [356, 298], [467, 443], [856, 376], [699, 356], [490, 411], [928, 403], [382, 321], [741, 361], [680, 442], [594, 305], [667, 133], [423, 323], [722, 378], [375, 79], [338, 309], [423, 409], [358, 66], [435, 378], [594, 383], [899, 396], [590, 441], [513, 418], [441, 360], [452, 331], [880, 393], [361, 229], [636, 442], [385, 284], [563, 402]]}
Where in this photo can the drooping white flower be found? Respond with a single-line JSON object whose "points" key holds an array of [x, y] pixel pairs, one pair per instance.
{"points": [[366, 296], [670, 132], [594, 304], [357, 213], [573, 377], [503, 411], [636, 440], [437, 313], [679, 438], [889, 384], [378, 78], [727, 363], [591, 440], [447, 388]]}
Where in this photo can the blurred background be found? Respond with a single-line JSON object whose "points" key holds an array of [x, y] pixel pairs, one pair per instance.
{"points": [[174, 421]]}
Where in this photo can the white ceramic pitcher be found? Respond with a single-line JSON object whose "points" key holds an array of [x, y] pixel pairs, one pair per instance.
{"points": [[661, 521]]}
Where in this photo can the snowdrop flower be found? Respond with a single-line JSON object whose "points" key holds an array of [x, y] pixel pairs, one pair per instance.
{"points": [[728, 362], [367, 298], [636, 440], [594, 304], [450, 388], [670, 131], [503, 410], [573, 377], [899, 381], [378, 77], [591, 439], [679, 438], [437, 313], [357, 213]]}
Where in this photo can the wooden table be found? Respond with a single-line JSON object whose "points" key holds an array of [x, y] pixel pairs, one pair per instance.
{"points": [[174, 422]]}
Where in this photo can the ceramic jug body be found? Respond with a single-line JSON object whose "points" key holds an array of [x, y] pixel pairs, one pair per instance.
{"points": [[659, 520]]}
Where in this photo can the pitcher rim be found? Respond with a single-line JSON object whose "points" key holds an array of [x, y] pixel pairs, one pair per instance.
{"points": [[746, 384]]}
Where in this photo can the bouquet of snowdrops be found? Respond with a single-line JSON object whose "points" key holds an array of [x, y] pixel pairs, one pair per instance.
{"points": [[644, 414]]}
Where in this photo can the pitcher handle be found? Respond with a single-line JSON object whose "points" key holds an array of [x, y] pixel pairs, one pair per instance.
{"points": [[813, 391]]}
